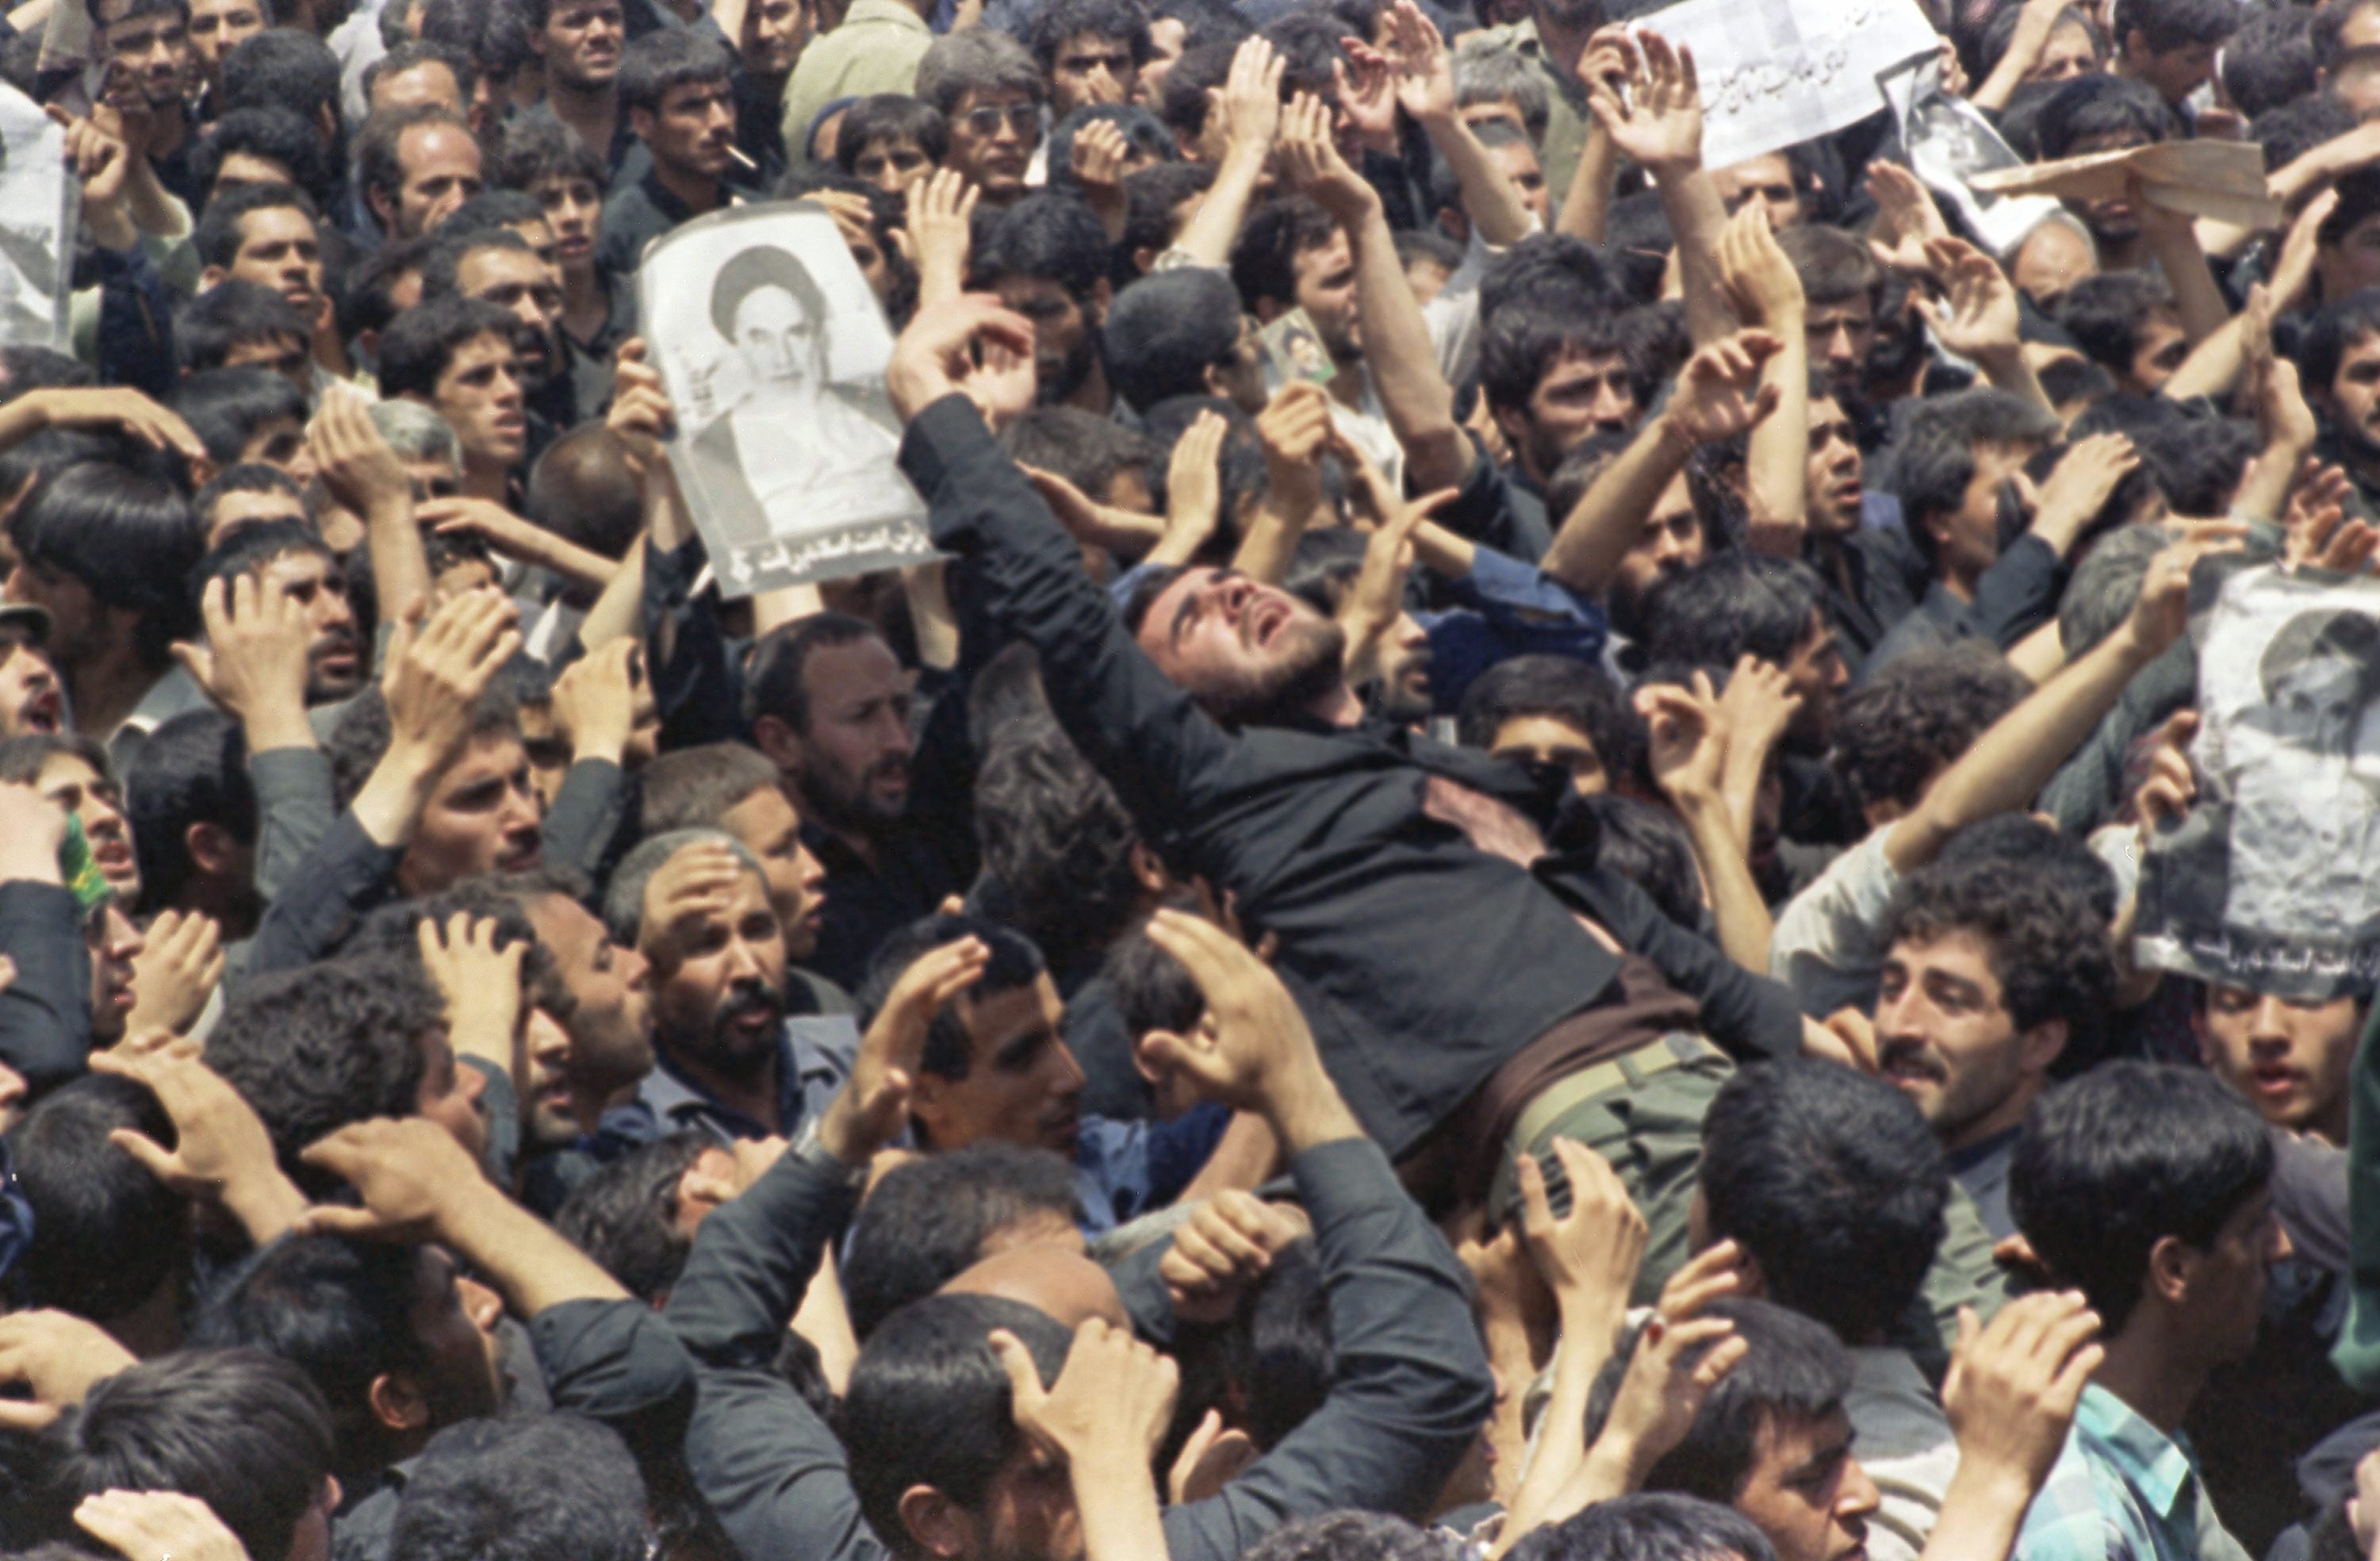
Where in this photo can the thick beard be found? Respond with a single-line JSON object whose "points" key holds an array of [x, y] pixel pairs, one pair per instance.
{"points": [[849, 811], [730, 1057], [1072, 372], [1288, 689], [2359, 446]]}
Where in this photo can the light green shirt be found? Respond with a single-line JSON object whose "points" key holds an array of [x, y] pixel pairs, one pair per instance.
{"points": [[875, 50]]}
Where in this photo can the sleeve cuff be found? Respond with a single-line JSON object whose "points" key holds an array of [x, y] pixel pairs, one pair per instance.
{"points": [[941, 438]]}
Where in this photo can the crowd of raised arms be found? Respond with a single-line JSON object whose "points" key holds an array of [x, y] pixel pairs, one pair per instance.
{"points": [[1520, 942]]}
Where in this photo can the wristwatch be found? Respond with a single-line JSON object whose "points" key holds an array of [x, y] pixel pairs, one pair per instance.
{"points": [[809, 1148]]}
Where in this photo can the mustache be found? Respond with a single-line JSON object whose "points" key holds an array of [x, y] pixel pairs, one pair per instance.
{"points": [[746, 1001], [1911, 1054]]}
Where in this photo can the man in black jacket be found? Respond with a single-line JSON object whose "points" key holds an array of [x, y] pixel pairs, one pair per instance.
{"points": [[1476, 984]]}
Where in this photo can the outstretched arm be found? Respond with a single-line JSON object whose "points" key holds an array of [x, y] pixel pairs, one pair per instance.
{"points": [[1138, 729], [1419, 403], [1712, 404], [2016, 757], [1660, 124]]}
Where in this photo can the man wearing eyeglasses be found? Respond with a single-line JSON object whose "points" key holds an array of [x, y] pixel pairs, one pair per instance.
{"points": [[988, 86]]}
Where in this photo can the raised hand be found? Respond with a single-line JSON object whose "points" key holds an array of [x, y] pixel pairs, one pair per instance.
{"points": [[482, 981], [1376, 599], [435, 677], [254, 659], [2161, 613], [221, 1151], [178, 969], [2170, 787], [1686, 745], [32, 828], [969, 344], [359, 468], [1589, 1257], [1719, 395], [104, 165], [409, 1174], [150, 1525], [2293, 275], [1250, 99], [595, 701], [1978, 319], [695, 884], [1257, 1054], [1680, 1356], [118, 407], [641, 417], [1111, 1403], [2078, 486], [2320, 534], [60, 1357], [1194, 487], [1311, 162], [1660, 123], [874, 1104], [1761, 283], [1098, 159], [1757, 707], [1908, 221], [1423, 69], [2013, 1386], [1227, 1244], [1366, 93], [941, 205]]}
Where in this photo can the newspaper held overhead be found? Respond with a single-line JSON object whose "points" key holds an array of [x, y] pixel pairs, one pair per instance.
{"points": [[2272, 881], [773, 351], [39, 199], [1775, 72], [2222, 179]]}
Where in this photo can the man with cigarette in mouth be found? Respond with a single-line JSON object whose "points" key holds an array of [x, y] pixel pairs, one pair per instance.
{"points": [[678, 87]]}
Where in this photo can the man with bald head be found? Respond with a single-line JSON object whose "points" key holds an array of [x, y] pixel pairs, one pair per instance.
{"points": [[1066, 1285]]}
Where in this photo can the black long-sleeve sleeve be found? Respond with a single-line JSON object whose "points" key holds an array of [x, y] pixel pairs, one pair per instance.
{"points": [[1159, 751], [586, 816], [1411, 1390], [1412, 1387], [46, 1012], [346, 874], [772, 1470], [619, 1362], [2019, 593]]}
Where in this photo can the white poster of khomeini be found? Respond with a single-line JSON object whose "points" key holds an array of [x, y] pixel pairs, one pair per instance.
{"points": [[794, 469]]}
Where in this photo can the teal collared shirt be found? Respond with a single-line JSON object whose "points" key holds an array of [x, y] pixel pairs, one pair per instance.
{"points": [[2122, 1490]]}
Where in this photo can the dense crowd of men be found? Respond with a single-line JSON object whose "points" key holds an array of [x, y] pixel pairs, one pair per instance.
{"points": [[1513, 937]]}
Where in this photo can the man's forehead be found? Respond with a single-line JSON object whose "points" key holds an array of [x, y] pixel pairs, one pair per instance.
{"points": [[1583, 362], [1791, 1440], [1956, 951], [486, 348], [994, 1018], [295, 565]]}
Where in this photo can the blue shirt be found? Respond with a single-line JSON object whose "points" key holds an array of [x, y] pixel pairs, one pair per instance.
{"points": [[1124, 1170], [814, 1057], [1505, 608], [2122, 1490]]}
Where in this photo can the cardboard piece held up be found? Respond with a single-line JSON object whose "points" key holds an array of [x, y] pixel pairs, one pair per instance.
{"points": [[2223, 179]]}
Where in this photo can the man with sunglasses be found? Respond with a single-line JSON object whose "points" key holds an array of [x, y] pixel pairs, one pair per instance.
{"points": [[987, 88]]}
